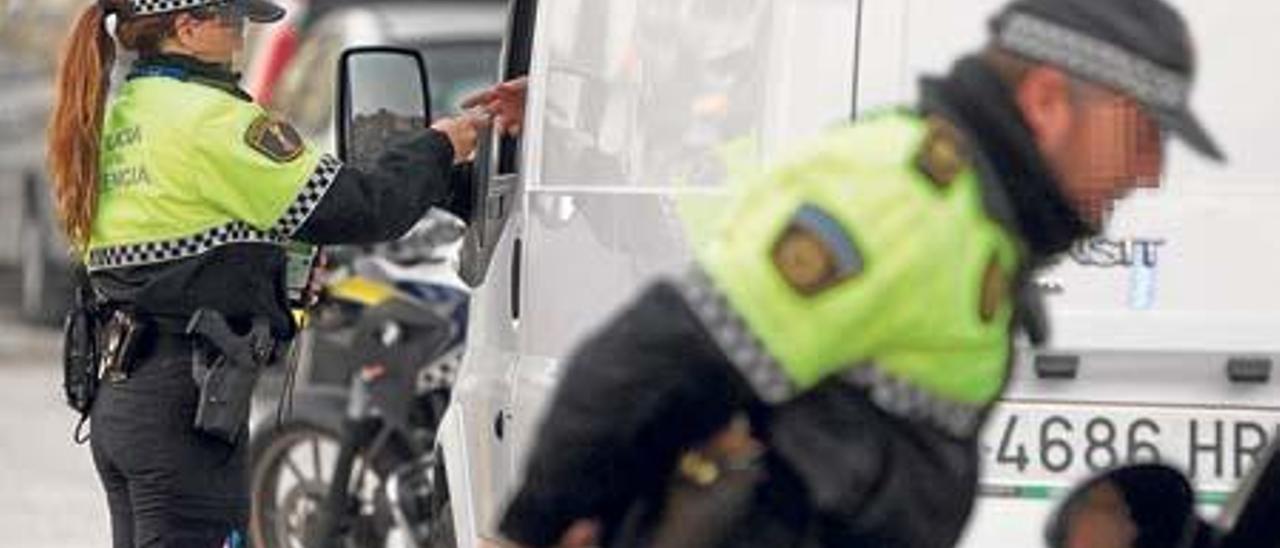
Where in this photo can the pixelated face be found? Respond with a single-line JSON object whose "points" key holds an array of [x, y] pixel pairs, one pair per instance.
{"points": [[213, 33], [1112, 146]]}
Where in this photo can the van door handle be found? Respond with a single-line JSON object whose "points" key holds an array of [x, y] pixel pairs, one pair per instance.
{"points": [[500, 425], [517, 255], [1058, 367]]}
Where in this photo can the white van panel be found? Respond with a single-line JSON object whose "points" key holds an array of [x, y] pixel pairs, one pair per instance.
{"points": [[481, 398]]}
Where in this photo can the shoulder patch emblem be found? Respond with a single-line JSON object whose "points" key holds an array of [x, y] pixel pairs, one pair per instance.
{"points": [[941, 157], [275, 139], [995, 291], [815, 253]]}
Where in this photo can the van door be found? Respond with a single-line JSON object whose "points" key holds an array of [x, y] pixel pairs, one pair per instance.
{"points": [[476, 434], [1165, 327]]}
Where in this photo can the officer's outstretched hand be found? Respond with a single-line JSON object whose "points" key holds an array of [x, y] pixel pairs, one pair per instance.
{"points": [[505, 102], [463, 131]]}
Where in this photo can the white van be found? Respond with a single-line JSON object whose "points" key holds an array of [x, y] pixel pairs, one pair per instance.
{"points": [[1165, 329]]}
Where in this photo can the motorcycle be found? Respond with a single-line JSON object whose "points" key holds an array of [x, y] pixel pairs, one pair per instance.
{"points": [[353, 461]]}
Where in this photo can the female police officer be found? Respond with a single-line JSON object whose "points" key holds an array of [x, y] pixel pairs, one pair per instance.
{"points": [[180, 197]]}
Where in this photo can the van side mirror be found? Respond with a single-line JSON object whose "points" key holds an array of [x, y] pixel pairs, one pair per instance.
{"points": [[382, 96], [1135, 506]]}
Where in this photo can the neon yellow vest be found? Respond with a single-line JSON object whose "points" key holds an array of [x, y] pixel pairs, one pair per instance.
{"points": [[852, 254], [180, 175]]}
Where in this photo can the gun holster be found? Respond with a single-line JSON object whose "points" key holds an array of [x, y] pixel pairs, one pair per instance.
{"points": [[226, 367], [80, 349], [80, 358]]}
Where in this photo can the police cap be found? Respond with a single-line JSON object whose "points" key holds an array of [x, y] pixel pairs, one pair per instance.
{"points": [[1141, 48], [258, 11]]}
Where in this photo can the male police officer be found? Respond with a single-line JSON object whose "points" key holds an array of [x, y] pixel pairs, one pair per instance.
{"points": [[857, 309]]}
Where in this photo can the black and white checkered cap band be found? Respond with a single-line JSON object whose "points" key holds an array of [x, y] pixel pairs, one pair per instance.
{"points": [[295, 215], [731, 334], [153, 7], [309, 196], [1095, 60]]}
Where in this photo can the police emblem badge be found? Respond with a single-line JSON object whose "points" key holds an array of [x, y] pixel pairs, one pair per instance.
{"points": [[275, 139], [994, 292], [815, 253], [941, 157]]}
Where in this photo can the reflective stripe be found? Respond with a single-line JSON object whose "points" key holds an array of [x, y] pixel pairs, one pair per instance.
{"points": [[900, 398], [893, 395], [734, 338], [181, 248], [309, 196], [234, 232], [1095, 60]]}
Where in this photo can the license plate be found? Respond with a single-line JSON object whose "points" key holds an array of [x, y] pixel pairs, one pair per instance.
{"points": [[1039, 449]]}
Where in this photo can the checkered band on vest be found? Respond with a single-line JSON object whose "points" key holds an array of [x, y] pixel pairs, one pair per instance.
{"points": [[309, 197], [1095, 60], [235, 232], [895, 396], [181, 248], [153, 7], [731, 334], [902, 399]]}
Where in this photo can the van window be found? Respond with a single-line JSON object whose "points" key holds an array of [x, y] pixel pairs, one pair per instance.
{"points": [[674, 81], [519, 53], [495, 194]]}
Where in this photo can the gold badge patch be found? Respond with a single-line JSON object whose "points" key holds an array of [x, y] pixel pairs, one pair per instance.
{"points": [[815, 253], [942, 156], [275, 139], [803, 261], [995, 290]]}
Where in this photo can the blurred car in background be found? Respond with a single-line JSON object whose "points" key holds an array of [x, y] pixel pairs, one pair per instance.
{"points": [[460, 40], [27, 219]]}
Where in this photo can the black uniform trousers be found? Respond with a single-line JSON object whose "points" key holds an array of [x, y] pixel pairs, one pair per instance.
{"points": [[167, 485]]}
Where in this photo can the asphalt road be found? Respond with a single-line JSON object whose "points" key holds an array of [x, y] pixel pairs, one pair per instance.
{"points": [[49, 494]]}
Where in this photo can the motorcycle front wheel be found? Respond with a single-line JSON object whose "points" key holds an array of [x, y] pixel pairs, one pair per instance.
{"points": [[292, 467]]}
